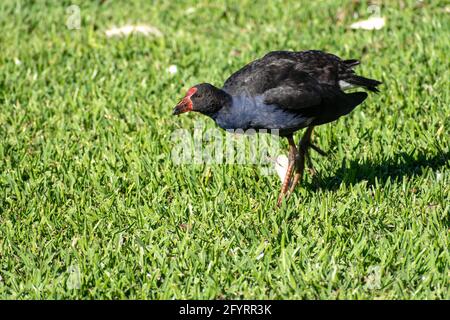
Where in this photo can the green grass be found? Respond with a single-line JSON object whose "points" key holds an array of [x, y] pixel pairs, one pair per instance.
{"points": [[91, 205]]}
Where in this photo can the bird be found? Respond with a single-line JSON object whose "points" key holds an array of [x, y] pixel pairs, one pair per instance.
{"points": [[284, 91]]}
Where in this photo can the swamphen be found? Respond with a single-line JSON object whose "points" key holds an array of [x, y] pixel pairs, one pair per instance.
{"points": [[286, 91]]}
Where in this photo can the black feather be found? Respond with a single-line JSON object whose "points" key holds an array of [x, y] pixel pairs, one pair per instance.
{"points": [[335, 107], [351, 62], [369, 84]]}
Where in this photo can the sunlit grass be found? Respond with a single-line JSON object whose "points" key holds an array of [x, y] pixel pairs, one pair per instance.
{"points": [[91, 205]]}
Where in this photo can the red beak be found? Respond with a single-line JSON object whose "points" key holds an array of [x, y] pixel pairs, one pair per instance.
{"points": [[183, 106]]}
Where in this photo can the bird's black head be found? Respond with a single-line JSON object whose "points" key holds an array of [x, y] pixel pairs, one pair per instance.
{"points": [[203, 98]]}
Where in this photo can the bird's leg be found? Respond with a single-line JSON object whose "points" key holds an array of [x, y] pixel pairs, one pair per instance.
{"points": [[317, 149], [293, 154], [300, 161], [311, 169]]}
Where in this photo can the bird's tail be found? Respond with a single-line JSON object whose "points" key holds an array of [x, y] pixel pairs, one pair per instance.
{"points": [[351, 63], [351, 101], [340, 105], [369, 84]]}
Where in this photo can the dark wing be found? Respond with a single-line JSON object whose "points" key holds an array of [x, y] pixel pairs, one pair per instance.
{"points": [[305, 82], [319, 101], [334, 104], [266, 73], [296, 89]]}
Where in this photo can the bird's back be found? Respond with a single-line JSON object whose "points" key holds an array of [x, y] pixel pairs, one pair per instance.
{"points": [[266, 72], [308, 84]]}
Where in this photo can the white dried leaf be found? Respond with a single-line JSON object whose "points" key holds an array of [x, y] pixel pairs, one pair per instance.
{"points": [[373, 23], [127, 30], [281, 165]]}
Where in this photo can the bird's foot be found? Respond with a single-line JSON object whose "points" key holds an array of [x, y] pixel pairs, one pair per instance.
{"points": [[312, 172]]}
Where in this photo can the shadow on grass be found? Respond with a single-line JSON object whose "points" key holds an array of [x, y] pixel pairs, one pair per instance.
{"points": [[402, 164]]}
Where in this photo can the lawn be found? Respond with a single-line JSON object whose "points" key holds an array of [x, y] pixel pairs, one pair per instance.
{"points": [[92, 205]]}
